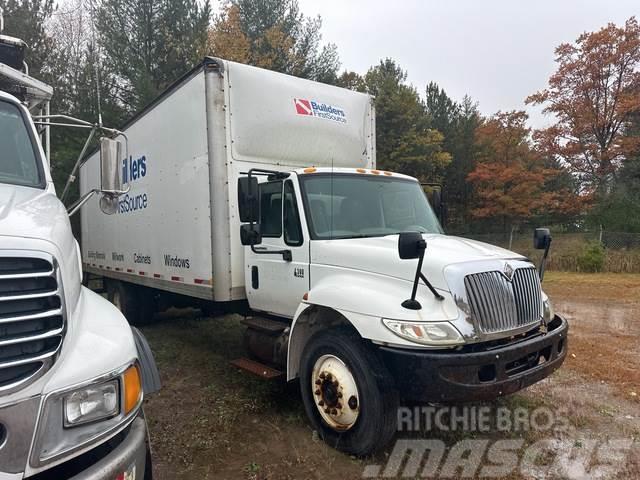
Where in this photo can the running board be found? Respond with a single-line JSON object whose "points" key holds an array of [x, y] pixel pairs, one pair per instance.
{"points": [[257, 368]]}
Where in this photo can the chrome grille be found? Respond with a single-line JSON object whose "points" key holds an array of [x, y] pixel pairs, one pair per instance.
{"points": [[500, 305], [31, 318]]}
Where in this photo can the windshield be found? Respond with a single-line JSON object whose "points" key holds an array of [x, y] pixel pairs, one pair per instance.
{"points": [[350, 206], [18, 161]]}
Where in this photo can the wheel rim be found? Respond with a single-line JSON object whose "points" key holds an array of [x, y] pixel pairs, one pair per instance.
{"points": [[116, 300], [335, 392]]}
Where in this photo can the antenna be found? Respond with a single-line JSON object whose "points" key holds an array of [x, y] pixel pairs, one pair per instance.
{"points": [[95, 64]]}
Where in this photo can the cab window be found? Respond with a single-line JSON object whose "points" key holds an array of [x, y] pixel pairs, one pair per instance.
{"points": [[271, 209], [291, 220]]}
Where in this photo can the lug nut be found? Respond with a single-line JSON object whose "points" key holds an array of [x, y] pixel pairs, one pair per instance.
{"points": [[318, 382], [339, 405], [317, 392], [334, 411], [322, 376], [329, 376], [321, 403], [336, 384], [326, 410], [339, 394]]}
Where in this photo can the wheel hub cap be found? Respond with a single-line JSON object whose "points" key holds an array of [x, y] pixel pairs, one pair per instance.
{"points": [[335, 392]]}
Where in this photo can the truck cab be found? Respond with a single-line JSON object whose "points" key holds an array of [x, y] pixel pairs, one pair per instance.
{"points": [[378, 305], [72, 380]]}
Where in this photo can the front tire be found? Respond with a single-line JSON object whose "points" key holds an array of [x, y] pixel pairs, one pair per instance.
{"points": [[348, 394]]}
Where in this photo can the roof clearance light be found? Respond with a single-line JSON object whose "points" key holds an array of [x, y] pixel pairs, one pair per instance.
{"points": [[361, 170], [388, 173], [310, 170], [375, 172]]}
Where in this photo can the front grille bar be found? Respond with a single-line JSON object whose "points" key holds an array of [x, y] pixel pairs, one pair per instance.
{"points": [[501, 305], [32, 317]]}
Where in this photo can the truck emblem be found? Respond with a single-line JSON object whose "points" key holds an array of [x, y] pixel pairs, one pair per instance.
{"points": [[508, 271]]}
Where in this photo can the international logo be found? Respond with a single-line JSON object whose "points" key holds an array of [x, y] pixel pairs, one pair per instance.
{"points": [[508, 271], [313, 108]]}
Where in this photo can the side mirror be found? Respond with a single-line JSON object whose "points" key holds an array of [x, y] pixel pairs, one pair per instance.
{"points": [[411, 245], [110, 184], [248, 199], [250, 234], [541, 238]]}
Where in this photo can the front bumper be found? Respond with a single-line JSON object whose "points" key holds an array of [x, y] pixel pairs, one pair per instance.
{"points": [[130, 455], [480, 375]]}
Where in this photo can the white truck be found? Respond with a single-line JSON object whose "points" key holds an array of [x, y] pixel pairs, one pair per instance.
{"points": [[259, 191], [72, 370]]}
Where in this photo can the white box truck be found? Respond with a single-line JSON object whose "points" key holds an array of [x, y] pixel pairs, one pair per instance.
{"points": [[72, 370], [259, 191]]}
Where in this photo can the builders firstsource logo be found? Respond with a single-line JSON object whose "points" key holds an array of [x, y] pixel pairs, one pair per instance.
{"points": [[320, 110]]}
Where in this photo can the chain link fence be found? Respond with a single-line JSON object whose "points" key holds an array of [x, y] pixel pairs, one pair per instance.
{"points": [[604, 251]]}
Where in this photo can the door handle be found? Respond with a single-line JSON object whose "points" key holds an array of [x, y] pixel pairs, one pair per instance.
{"points": [[260, 249]]}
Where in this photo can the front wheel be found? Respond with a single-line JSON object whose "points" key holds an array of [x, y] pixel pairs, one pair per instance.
{"points": [[348, 393]]}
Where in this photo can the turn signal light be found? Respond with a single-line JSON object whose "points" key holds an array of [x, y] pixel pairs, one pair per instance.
{"points": [[310, 170], [132, 388]]}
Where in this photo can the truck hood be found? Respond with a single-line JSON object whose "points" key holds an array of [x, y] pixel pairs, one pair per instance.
{"points": [[30, 212], [379, 255], [34, 219]]}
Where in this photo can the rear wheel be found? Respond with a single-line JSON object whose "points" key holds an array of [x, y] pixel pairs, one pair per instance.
{"points": [[136, 303], [348, 393]]}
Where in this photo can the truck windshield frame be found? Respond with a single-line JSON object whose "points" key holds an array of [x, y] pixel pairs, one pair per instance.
{"points": [[382, 206], [21, 165]]}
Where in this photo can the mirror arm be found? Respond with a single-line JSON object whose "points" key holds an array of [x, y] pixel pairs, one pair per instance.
{"points": [[72, 175], [430, 287], [543, 261], [75, 206]]}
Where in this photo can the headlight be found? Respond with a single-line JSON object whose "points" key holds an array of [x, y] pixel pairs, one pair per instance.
{"points": [[91, 404], [440, 333], [76, 419], [547, 309]]}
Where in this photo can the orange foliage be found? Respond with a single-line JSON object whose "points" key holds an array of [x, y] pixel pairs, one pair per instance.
{"points": [[593, 92], [510, 175]]}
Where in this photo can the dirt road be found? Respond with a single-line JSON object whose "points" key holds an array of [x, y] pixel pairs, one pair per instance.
{"points": [[211, 421]]}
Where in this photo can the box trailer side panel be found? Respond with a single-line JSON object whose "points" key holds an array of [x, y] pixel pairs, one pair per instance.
{"points": [[161, 233], [282, 122]]}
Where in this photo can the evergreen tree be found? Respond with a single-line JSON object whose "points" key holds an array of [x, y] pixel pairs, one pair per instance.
{"points": [[27, 20], [147, 44], [458, 123], [404, 141]]}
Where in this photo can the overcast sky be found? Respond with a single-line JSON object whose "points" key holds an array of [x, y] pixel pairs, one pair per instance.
{"points": [[497, 51]]}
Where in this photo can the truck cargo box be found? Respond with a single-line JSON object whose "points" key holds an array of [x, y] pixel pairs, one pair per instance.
{"points": [[177, 228]]}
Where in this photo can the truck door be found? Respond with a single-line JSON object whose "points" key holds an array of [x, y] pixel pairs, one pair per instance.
{"points": [[273, 284]]}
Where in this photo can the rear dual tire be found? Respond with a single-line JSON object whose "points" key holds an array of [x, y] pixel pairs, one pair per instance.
{"points": [[136, 303], [348, 394]]}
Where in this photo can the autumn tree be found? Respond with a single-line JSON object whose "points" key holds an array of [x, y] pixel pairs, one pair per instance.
{"points": [[509, 178], [404, 141], [591, 96], [274, 34]]}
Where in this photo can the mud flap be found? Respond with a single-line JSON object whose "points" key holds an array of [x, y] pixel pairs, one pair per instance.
{"points": [[150, 375]]}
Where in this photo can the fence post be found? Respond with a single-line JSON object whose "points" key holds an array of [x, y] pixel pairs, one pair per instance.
{"points": [[600, 236]]}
